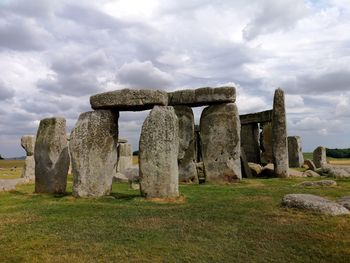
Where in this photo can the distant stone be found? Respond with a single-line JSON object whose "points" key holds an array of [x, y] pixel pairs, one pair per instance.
{"points": [[124, 156], [295, 173], [93, 149], [28, 144], [11, 184], [28, 171], [159, 147], [202, 96], [51, 156], [336, 172], [344, 201], [266, 143], [310, 173], [220, 134], [321, 183], [186, 157], [310, 164], [255, 169], [319, 156], [129, 99], [295, 153], [314, 203]]}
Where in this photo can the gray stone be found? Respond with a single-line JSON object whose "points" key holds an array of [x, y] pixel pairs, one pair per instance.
{"points": [[250, 142], [255, 169], [310, 173], [202, 96], [186, 157], [319, 156], [322, 183], [93, 149], [28, 143], [336, 172], [295, 152], [279, 135], [295, 173], [220, 134], [314, 203], [11, 184], [310, 164], [129, 99], [159, 148], [246, 173], [29, 168], [51, 156], [344, 201], [124, 157], [266, 143]]}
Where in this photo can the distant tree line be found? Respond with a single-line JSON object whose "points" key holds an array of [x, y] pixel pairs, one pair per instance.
{"points": [[338, 153]]}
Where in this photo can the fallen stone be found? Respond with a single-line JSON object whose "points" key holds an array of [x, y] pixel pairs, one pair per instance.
{"points": [[314, 203], [159, 147], [310, 173], [295, 153], [202, 96], [344, 201], [268, 170], [10, 184], [28, 144], [319, 156], [93, 149], [295, 173], [321, 183], [310, 164], [336, 172], [129, 99], [255, 169], [220, 134], [51, 156]]}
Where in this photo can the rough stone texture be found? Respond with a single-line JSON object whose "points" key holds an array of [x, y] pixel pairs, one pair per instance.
{"points": [[51, 156], [255, 169], [341, 172], [279, 135], [246, 173], [124, 156], [28, 144], [29, 168], [93, 149], [314, 203], [10, 184], [129, 99], [202, 96], [295, 173], [159, 148], [266, 143], [344, 201], [310, 173], [295, 152], [250, 142], [256, 117], [319, 156], [186, 157], [310, 164], [322, 183], [198, 144], [220, 134]]}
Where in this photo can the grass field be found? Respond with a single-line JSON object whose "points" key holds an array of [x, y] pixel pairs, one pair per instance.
{"points": [[238, 223], [11, 169], [335, 161]]}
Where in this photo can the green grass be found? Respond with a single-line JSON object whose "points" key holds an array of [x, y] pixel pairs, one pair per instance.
{"points": [[238, 223], [11, 169]]}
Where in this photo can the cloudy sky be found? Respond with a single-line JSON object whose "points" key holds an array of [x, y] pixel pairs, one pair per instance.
{"points": [[55, 54]]}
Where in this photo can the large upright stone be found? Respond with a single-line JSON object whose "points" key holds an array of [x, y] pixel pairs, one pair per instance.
{"points": [[250, 142], [266, 143], [93, 149], [202, 96], [159, 147], [129, 99], [186, 157], [319, 156], [279, 135], [124, 156], [28, 144], [51, 156], [295, 152], [220, 133]]}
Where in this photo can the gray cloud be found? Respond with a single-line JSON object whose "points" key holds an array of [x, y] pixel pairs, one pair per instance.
{"points": [[6, 92]]}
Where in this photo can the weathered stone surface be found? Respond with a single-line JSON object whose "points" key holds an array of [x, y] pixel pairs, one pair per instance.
{"points": [[342, 172], [344, 201], [129, 99], [255, 169], [322, 183], [29, 168], [93, 149], [124, 157], [202, 96], [295, 152], [186, 157], [256, 117], [51, 156], [28, 144], [10, 184], [266, 143], [295, 173], [310, 173], [246, 173], [159, 148], [279, 135], [310, 164], [314, 203], [220, 134], [319, 156], [250, 142]]}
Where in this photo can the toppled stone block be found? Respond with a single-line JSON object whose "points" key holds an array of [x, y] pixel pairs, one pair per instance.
{"points": [[202, 96], [336, 172], [322, 183], [310, 173], [344, 201], [314, 203], [129, 99], [255, 169], [310, 164]]}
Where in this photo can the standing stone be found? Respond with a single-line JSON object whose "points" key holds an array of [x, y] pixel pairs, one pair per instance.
{"points": [[159, 147], [28, 144], [124, 156], [220, 133], [295, 152], [186, 157], [279, 135], [70, 161], [51, 156], [319, 156], [250, 142], [266, 143], [93, 149]]}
